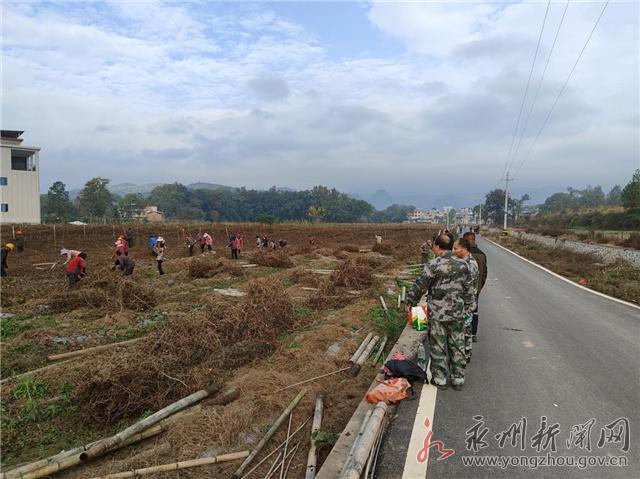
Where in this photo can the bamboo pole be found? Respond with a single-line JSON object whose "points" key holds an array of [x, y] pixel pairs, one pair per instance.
{"points": [[104, 446], [81, 352], [29, 373], [269, 433], [404, 293], [384, 305], [363, 425], [361, 348], [174, 466], [67, 459], [380, 350], [276, 449], [315, 427], [311, 379], [355, 369], [365, 443], [286, 445]]}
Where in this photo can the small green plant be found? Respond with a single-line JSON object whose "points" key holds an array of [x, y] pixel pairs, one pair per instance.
{"points": [[388, 324], [302, 311], [293, 345], [324, 439], [29, 388]]}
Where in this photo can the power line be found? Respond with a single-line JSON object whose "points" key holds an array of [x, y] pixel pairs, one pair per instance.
{"points": [[535, 97], [544, 123], [526, 90]]}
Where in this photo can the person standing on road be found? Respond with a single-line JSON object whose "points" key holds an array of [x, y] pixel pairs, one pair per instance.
{"points": [[449, 287], [481, 259], [158, 249], [461, 249]]}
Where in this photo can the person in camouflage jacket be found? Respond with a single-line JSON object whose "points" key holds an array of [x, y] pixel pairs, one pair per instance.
{"points": [[461, 249], [448, 284]]}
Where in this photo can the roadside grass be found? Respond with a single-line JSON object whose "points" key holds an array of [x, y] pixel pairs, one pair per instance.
{"points": [[390, 325], [620, 280]]}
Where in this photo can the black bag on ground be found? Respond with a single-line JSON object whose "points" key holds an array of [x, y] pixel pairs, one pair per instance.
{"points": [[403, 368]]}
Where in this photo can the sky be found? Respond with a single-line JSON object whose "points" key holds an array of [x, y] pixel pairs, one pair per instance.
{"points": [[420, 99]]}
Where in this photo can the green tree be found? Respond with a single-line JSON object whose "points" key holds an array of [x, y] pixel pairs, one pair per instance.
{"points": [[316, 213], [392, 214], [95, 200], [631, 193], [614, 197], [129, 203], [57, 205]]}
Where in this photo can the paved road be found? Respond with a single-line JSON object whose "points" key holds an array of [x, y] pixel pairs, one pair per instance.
{"points": [[546, 349]]}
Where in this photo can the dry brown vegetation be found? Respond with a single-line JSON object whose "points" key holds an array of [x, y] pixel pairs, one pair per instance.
{"points": [[277, 334]]}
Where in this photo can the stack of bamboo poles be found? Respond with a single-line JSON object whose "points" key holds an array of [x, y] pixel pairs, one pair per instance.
{"points": [[364, 351], [148, 427], [363, 456]]}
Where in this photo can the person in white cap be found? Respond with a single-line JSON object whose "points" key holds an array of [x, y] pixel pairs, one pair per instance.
{"points": [[69, 253], [159, 253]]}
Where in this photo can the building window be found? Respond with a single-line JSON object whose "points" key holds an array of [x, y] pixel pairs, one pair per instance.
{"points": [[3, 181], [4, 208], [23, 160]]}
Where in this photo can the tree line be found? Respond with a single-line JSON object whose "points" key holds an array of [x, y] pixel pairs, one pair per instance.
{"points": [[96, 203]]}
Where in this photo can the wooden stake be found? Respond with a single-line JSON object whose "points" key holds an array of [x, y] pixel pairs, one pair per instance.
{"points": [[361, 348], [81, 352], [174, 466], [104, 446], [404, 293], [286, 445], [315, 427], [269, 433]]}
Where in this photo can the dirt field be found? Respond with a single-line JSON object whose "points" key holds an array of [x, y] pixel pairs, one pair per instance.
{"points": [[295, 319]]}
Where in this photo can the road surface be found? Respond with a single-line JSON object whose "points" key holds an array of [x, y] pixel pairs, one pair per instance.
{"points": [[546, 350]]}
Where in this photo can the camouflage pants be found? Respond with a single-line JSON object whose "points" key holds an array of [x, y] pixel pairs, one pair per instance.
{"points": [[446, 343], [468, 338]]}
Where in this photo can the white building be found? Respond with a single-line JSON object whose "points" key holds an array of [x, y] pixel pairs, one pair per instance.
{"points": [[19, 180]]}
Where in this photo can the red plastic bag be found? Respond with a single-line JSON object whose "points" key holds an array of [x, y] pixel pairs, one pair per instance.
{"points": [[391, 391]]}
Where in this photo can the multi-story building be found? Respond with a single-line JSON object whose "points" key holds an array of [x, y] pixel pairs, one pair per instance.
{"points": [[19, 180]]}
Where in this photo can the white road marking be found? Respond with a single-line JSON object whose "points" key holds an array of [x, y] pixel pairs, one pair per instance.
{"points": [[598, 293], [426, 406]]}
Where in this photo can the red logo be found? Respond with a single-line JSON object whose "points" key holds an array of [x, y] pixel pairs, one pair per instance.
{"points": [[423, 454]]}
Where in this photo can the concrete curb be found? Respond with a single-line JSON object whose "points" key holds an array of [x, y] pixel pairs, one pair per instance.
{"points": [[407, 344]]}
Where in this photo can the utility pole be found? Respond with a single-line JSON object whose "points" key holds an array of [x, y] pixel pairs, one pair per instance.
{"points": [[506, 199]]}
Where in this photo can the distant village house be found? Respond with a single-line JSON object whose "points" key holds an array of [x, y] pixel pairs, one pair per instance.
{"points": [[150, 214]]}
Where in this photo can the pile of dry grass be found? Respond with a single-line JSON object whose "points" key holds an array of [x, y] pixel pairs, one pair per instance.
{"points": [[274, 259], [306, 277], [329, 297], [353, 273], [349, 248], [112, 294], [206, 268], [323, 251], [186, 354], [383, 248], [302, 248]]}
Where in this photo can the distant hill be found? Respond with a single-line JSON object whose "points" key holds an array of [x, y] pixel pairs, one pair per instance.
{"points": [[381, 199], [203, 185]]}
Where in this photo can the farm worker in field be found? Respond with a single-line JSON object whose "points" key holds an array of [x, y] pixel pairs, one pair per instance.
{"points": [[69, 253], [448, 283], [258, 241], [159, 253], [273, 245], [151, 241], [76, 269], [311, 240], [189, 243], [124, 263], [282, 243], [240, 243], [5, 252], [202, 242], [19, 240], [129, 236], [481, 259], [233, 244], [209, 241], [461, 248], [378, 239]]}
